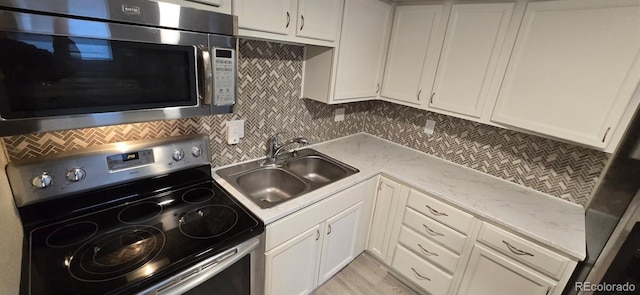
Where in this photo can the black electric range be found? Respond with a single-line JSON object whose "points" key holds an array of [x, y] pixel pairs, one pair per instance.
{"points": [[124, 238]]}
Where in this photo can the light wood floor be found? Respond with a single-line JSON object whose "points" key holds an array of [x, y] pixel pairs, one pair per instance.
{"points": [[364, 276]]}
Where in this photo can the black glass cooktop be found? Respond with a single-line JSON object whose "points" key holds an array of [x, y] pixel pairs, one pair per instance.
{"points": [[100, 243]]}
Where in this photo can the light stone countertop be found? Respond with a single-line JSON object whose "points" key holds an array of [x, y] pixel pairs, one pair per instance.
{"points": [[554, 222]]}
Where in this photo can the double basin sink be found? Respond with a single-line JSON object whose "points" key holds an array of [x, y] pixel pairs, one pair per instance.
{"points": [[296, 174]]}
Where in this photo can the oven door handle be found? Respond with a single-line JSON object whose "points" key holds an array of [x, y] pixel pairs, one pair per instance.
{"points": [[205, 91], [204, 270]]}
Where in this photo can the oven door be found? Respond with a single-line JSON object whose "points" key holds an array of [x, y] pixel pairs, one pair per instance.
{"points": [[62, 73], [237, 271]]}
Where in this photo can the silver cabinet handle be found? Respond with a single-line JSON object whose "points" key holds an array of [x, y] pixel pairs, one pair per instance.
{"points": [[431, 99], [515, 250], [419, 91], [419, 275], [318, 236], [427, 252], [302, 26], [432, 232], [436, 212], [377, 87], [329, 231], [288, 20]]}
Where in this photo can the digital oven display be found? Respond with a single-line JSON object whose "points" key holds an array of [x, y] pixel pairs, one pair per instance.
{"points": [[130, 160]]}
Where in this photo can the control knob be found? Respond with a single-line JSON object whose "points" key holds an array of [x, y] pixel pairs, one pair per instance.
{"points": [[76, 174], [43, 180], [178, 155], [196, 151]]}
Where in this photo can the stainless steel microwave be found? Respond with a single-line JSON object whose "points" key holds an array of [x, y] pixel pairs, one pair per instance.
{"points": [[69, 64]]}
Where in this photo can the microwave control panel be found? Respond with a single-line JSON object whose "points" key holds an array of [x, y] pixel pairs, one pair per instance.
{"points": [[224, 73]]}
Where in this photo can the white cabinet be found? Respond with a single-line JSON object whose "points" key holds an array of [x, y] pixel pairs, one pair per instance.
{"points": [[306, 248], [220, 6], [448, 58], [297, 258], [339, 242], [297, 21], [387, 216], [469, 59], [415, 42], [319, 19], [573, 70], [271, 16], [353, 70], [490, 273]]}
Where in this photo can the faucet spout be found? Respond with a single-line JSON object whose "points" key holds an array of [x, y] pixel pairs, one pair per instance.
{"points": [[275, 147]]}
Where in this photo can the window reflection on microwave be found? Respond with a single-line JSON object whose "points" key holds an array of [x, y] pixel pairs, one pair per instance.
{"points": [[48, 75]]}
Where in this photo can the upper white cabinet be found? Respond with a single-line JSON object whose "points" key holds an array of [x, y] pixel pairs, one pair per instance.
{"points": [[297, 21], [319, 19], [573, 70], [468, 63], [415, 42], [271, 16], [220, 6], [353, 70], [363, 44], [446, 58]]}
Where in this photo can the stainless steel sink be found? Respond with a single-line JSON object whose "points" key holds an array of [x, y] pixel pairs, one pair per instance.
{"points": [[293, 175], [316, 169]]}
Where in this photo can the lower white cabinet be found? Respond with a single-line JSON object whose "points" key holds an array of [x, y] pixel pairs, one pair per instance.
{"points": [[391, 198], [308, 247], [339, 242], [293, 265], [491, 273]]}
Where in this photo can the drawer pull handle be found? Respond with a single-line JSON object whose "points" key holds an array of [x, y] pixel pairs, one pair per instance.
{"points": [[419, 275], [427, 252], [515, 250], [436, 212], [432, 232]]}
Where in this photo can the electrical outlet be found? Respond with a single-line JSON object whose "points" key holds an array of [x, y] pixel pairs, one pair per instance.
{"points": [[339, 115], [429, 127]]}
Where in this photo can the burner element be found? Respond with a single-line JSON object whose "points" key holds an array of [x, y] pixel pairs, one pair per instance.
{"points": [[116, 253], [208, 221], [72, 234], [140, 212], [198, 195]]}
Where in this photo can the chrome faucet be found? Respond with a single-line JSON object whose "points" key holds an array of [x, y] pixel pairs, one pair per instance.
{"points": [[274, 147]]}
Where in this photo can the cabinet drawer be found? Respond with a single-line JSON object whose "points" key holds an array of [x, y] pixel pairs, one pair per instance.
{"points": [[434, 230], [455, 218], [524, 251], [428, 249], [423, 274]]}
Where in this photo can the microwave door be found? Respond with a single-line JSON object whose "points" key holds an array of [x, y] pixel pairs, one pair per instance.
{"points": [[99, 73]]}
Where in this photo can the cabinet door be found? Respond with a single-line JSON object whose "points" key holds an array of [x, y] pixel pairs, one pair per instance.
{"points": [[413, 38], [363, 43], [272, 16], [490, 273], [573, 70], [383, 217], [339, 242], [319, 19], [291, 268], [473, 43]]}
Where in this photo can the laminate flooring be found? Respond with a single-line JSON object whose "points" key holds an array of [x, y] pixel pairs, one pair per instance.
{"points": [[364, 276]]}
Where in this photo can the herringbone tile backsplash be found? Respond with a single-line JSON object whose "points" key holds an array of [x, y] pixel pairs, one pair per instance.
{"points": [[269, 79], [559, 169]]}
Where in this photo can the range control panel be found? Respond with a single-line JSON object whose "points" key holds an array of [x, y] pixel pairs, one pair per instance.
{"points": [[77, 171]]}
